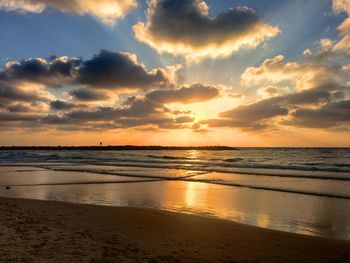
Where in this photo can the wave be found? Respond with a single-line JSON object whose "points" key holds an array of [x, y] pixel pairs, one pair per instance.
{"points": [[167, 157], [277, 159], [330, 195], [321, 175], [234, 160], [232, 163], [196, 172], [189, 178], [81, 183], [228, 164], [335, 176], [233, 168]]}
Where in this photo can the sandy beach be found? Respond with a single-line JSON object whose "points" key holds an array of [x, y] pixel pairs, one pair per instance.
{"points": [[44, 231]]}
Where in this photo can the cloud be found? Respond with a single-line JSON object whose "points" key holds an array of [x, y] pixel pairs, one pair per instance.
{"points": [[113, 70], [84, 94], [146, 111], [137, 108], [25, 92], [233, 124], [10, 117], [236, 95], [143, 107], [24, 97], [106, 70], [139, 112], [272, 70], [108, 11], [326, 45], [26, 107], [26, 100], [19, 108], [255, 112], [324, 53], [187, 28], [61, 105], [340, 6], [194, 93], [302, 75], [271, 91], [184, 119], [52, 72], [330, 115], [267, 112], [249, 117], [292, 92]]}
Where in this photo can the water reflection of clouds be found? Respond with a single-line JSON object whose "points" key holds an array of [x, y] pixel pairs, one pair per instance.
{"points": [[281, 211], [193, 190]]}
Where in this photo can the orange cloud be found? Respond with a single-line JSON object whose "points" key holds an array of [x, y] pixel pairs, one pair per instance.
{"points": [[276, 70], [340, 6], [108, 11]]}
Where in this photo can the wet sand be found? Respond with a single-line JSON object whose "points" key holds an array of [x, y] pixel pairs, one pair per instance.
{"points": [[47, 231]]}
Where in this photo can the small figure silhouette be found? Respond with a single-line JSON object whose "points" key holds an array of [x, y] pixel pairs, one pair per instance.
{"points": [[101, 144]]}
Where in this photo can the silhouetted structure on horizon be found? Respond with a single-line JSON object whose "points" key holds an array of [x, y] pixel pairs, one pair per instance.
{"points": [[116, 148]]}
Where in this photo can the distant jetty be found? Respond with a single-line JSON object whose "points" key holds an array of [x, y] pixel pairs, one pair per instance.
{"points": [[116, 148]]}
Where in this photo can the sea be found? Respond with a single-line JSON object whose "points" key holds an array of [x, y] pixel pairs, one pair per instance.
{"points": [[298, 190]]}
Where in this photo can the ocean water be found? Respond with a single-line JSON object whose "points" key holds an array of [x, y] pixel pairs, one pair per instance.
{"points": [[290, 189]]}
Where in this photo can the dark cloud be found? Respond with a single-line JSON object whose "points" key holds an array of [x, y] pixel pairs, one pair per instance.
{"points": [[254, 112], [61, 105], [329, 115], [136, 112], [16, 98], [181, 112], [52, 72], [231, 123], [159, 122], [185, 95], [57, 120], [184, 119], [11, 92], [108, 70], [19, 108], [313, 96], [99, 114], [144, 107], [189, 23], [11, 117], [138, 108], [84, 94], [118, 70]]}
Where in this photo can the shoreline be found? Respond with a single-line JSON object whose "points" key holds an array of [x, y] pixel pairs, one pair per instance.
{"points": [[51, 231]]}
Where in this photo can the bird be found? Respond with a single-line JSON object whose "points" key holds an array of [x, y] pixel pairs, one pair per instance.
{"points": [[8, 187]]}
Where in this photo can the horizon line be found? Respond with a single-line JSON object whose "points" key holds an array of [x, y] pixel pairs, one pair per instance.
{"points": [[169, 147]]}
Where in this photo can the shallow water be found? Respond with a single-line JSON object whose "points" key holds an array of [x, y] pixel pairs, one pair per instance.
{"points": [[296, 190]]}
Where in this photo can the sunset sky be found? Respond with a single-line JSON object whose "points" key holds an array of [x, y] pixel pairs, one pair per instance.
{"points": [[175, 72]]}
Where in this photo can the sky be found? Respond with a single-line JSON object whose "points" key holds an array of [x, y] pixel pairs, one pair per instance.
{"points": [[175, 72]]}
